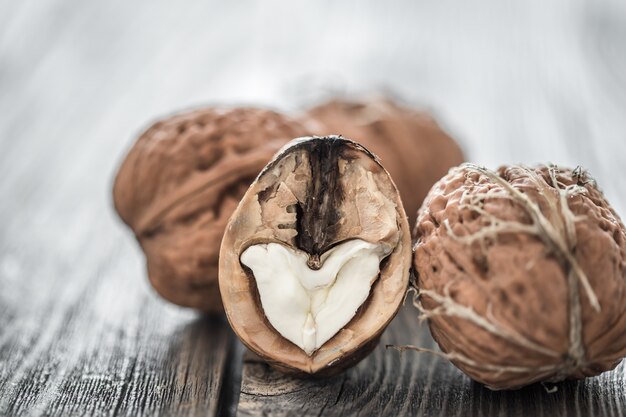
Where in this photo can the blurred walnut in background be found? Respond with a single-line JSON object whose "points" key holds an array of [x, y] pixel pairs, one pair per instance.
{"points": [[185, 175], [180, 183], [410, 144]]}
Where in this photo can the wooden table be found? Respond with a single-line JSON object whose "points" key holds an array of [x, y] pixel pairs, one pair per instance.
{"points": [[81, 331]]}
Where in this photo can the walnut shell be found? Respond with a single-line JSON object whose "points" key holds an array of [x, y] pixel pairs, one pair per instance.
{"points": [[315, 195], [410, 144], [522, 274], [180, 183]]}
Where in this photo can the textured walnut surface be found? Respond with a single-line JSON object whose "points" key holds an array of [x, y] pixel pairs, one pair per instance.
{"points": [[411, 145], [179, 185], [522, 274]]}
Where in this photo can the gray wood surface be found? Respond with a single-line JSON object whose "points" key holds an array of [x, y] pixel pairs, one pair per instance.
{"points": [[393, 383], [82, 333]]}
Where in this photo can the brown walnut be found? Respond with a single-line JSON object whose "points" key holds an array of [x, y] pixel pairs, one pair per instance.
{"points": [[318, 196], [180, 183], [411, 145], [522, 274]]}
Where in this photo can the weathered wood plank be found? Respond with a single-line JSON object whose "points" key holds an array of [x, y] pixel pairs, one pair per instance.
{"points": [[408, 384], [80, 331]]}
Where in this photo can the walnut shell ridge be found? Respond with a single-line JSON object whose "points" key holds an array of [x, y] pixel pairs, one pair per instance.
{"points": [[180, 183], [522, 274]]}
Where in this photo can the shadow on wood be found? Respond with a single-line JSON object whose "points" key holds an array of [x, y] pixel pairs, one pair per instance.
{"points": [[395, 383]]}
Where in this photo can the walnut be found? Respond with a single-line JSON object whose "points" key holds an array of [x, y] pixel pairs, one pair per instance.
{"points": [[180, 183], [522, 274], [315, 260], [410, 144]]}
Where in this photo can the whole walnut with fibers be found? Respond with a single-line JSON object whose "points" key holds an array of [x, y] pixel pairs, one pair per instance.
{"points": [[180, 183], [522, 274]]}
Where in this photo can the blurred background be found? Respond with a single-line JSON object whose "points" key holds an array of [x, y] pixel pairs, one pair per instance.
{"points": [[513, 81]]}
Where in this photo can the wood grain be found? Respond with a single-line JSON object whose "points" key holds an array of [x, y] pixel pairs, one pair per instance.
{"points": [[408, 383], [82, 333]]}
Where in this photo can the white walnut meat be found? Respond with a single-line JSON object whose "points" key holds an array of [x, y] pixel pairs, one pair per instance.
{"points": [[522, 274], [180, 183], [411, 144], [315, 260]]}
